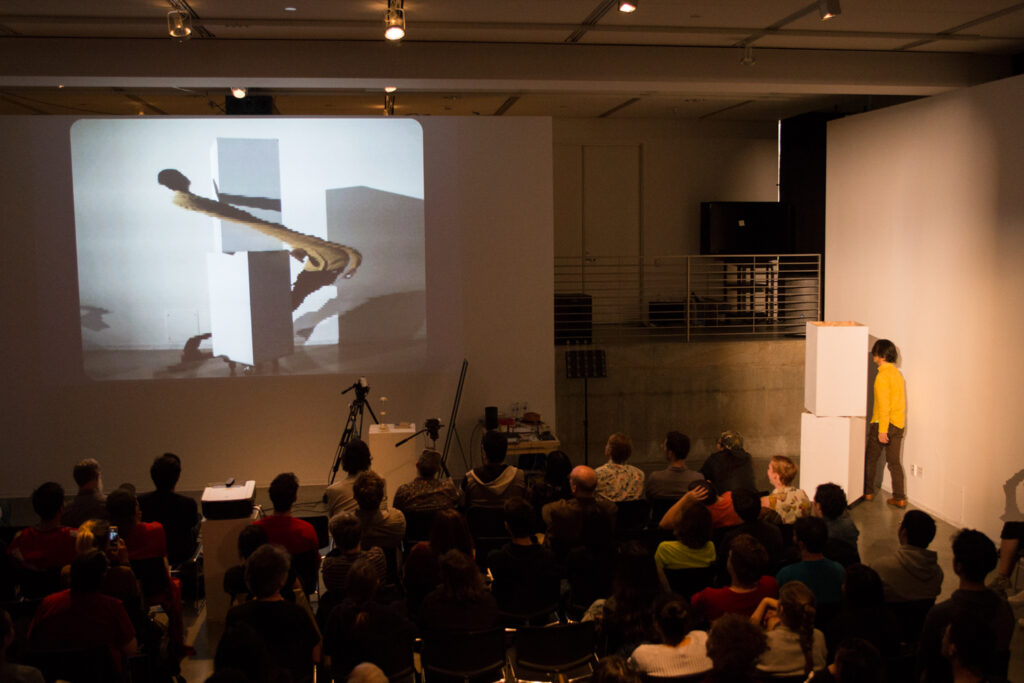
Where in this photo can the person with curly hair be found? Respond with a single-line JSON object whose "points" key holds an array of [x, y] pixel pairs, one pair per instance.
{"points": [[794, 645], [734, 644]]}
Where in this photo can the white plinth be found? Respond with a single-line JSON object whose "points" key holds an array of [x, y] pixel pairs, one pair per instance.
{"points": [[250, 305], [832, 450], [836, 369], [396, 465], [220, 553]]}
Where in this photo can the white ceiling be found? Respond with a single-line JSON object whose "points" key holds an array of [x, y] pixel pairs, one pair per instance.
{"points": [[566, 58]]}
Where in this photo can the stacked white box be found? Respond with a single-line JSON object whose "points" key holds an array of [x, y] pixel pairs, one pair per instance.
{"points": [[836, 369], [832, 450]]}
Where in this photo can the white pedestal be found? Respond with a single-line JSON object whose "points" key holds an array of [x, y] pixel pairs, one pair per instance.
{"points": [[220, 553], [250, 305], [836, 369], [832, 450], [396, 465]]}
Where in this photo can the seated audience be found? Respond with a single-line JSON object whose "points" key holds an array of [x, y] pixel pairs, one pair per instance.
{"points": [[119, 580], [491, 484], [178, 514], [11, 672], [913, 571], [241, 657], [729, 467], [346, 530], [617, 481], [864, 614], [365, 672], [422, 570], [461, 602], [830, 505], [287, 632], [673, 481], [734, 646], [856, 661], [526, 574], [681, 652], [46, 546], [427, 493], [747, 505], [823, 576], [582, 519], [1010, 538], [968, 645], [626, 618], [616, 669], [693, 547], [297, 536], [747, 562], [89, 503], [790, 502], [249, 539], [794, 645], [720, 506], [381, 527], [81, 616], [974, 556], [555, 485], [355, 460]]}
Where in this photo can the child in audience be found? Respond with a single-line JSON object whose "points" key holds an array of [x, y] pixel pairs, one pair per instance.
{"points": [[788, 501], [682, 652], [794, 645]]}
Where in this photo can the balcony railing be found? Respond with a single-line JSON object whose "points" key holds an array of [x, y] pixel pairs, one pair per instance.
{"points": [[685, 297]]}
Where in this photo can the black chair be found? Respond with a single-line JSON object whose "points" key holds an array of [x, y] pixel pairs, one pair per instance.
{"points": [[417, 526], [562, 654], [692, 678], [686, 582], [153, 577], [305, 566], [590, 572], [464, 656], [631, 519], [84, 665], [486, 522], [795, 678], [910, 618], [319, 522]]}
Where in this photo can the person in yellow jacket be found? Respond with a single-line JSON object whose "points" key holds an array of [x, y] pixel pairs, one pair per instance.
{"points": [[888, 418]]}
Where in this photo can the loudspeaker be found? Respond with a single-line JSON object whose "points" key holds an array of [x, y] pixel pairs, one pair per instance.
{"points": [[249, 105], [491, 417], [573, 317]]}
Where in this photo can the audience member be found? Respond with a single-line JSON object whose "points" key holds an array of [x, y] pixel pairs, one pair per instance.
{"points": [[720, 506], [295, 535], [287, 632], [10, 672], [461, 602], [1010, 538], [422, 570], [673, 481], [616, 669], [89, 503], [617, 481], [241, 657], [747, 505], [366, 672], [864, 614], [346, 530], [427, 493], [913, 571], [693, 547], [526, 574], [178, 514], [830, 505], [355, 460], [681, 652], [747, 563], [794, 645], [625, 619], [734, 646], [974, 556], [48, 545], [823, 576], [491, 484], [968, 645], [582, 520], [381, 527], [555, 485], [119, 580], [856, 661], [249, 539], [790, 502], [729, 467]]}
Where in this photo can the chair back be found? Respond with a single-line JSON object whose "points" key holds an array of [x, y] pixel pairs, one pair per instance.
{"points": [[319, 522], [304, 568], [632, 518], [417, 526], [84, 665], [486, 522], [910, 618], [555, 649], [466, 656], [153, 577], [686, 582]]}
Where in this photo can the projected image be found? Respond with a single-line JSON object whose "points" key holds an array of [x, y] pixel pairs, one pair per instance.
{"points": [[217, 247]]}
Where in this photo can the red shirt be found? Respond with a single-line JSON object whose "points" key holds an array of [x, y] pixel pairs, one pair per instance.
{"points": [[146, 540], [42, 550], [714, 602], [295, 535], [67, 620], [722, 512]]}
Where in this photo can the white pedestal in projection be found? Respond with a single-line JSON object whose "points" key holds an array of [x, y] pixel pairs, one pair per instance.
{"points": [[396, 465], [220, 553], [836, 369], [250, 305], [832, 450]]}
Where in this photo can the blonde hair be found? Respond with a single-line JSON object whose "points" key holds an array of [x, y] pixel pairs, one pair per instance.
{"points": [[797, 612], [93, 533], [785, 468]]}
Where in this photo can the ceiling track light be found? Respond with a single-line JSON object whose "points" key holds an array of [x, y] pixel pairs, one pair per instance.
{"points": [[628, 6], [239, 93], [394, 20], [179, 23], [748, 58], [828, 9], [389, 104]]}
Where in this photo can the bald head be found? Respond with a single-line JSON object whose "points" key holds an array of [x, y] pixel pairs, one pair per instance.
{"points": [[583, 481]]}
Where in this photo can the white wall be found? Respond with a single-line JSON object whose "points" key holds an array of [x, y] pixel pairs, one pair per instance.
{"points": [[925, 244], [488, 210]]}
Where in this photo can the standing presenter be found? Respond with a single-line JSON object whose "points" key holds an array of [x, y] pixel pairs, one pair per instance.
{"points": [[888, 418]]}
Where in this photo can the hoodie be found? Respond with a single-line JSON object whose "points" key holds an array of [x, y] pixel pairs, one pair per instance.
{"points": [[911, 573]]}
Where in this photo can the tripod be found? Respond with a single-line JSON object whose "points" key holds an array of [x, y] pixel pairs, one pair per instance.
{"points": [[354, 424]]}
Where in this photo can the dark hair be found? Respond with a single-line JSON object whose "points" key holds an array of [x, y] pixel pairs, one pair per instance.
{"points": [[86, 471], [47, 500], [975, 554], [460, 577], [972, 641], [920, 528], [734, 644], [749, 559], [884, 349], [361, 582], [708, 486], [694, 528], [165, 471], [812, 532], [858, 661], [283, 491], [346, 530], [863, 586], [266, 570], [87, 571], [672, 614], [428, 464], [797, 611], [747, 504], [249, 539], [620, 447], [449, 531], [121, 506], [616, 669], [495, 445], [832, 500], [557, 469], [356, 457], [368, 490], [519, 517], [678, 444]]}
